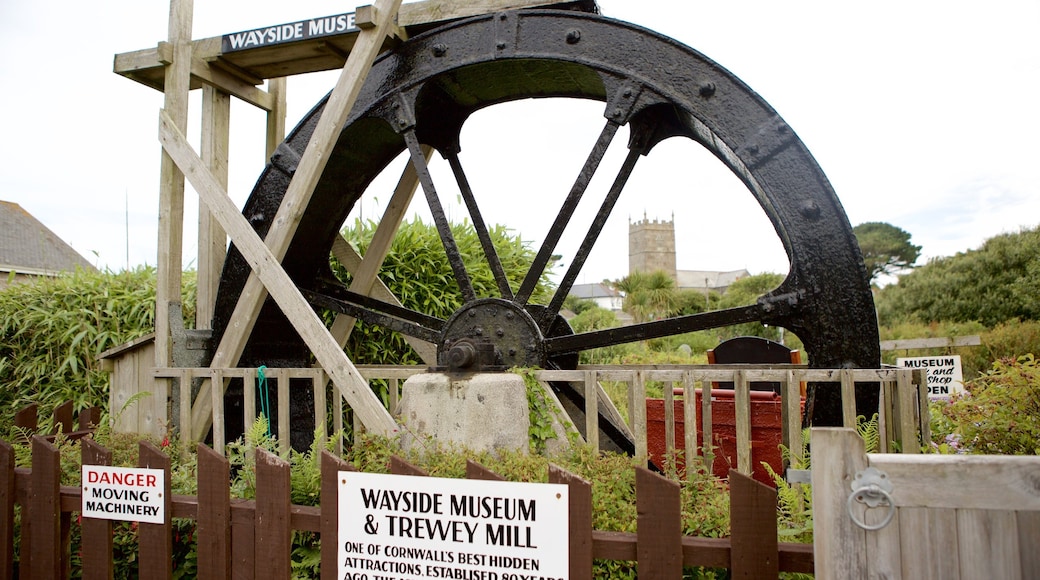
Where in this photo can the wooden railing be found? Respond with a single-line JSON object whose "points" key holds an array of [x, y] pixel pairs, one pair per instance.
{"points": [[902, 417]]}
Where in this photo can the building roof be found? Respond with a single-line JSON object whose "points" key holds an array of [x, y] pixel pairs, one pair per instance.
{"points": [[29, 247], [708, 279], [592, 291]]}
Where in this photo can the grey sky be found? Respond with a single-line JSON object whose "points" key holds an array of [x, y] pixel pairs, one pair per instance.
{"points": [[921, 114]]}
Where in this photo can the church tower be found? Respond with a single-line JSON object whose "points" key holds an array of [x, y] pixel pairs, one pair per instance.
{"points": [[651, 246]]}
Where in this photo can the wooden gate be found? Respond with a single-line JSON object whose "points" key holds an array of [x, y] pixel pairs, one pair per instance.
{"points": [[937, 516]]}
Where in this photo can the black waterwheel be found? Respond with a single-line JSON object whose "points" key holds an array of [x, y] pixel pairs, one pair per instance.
{"points": [[423, 92]]}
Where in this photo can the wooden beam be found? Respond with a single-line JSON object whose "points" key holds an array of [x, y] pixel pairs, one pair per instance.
{"points": [[939, 342], [367, 272], [216, 132], [351, 260], [276, 88], [230, 84], [326, 351], [301, 188], [171, 185], [306, 56]]}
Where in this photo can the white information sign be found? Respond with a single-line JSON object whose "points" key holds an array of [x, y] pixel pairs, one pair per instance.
{"points": [[398, 527], [123, 493], [944, 373]]}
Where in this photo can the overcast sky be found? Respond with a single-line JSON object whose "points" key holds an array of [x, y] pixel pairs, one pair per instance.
{"points": [[921, 113]]}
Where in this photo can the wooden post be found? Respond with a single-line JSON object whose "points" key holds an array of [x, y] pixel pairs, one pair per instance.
{"points": [[216, 131], [690, 423], [580, 508], [637, 415], [96, 533], [330, 468], [62, 418], [7, 497], [214, 517], [742, 416], [752, 517], [47, 553], [171, 185], [156, 540], [592, 410], [273, 534], [276, 116], [659, 526], [837, 455]]}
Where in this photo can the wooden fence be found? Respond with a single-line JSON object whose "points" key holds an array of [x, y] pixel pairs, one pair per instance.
{"points": [[252, 539], [934, 516], [903, 397]]}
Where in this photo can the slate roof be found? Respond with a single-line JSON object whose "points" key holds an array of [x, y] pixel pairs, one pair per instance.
{"points": [[29, 247]]}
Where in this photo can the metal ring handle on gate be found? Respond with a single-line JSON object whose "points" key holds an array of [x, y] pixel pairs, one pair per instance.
{"points": [[871, 487]]}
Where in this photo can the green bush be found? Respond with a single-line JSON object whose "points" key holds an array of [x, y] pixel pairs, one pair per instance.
{"points": [[52, 331], [1000, 412]]}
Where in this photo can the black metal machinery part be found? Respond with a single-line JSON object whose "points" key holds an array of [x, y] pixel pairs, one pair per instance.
{"points": [[423, 92]]}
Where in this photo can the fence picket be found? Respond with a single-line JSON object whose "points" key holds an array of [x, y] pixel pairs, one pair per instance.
{"points": [[658, 526], [273, 534], [7, 500], [399, 466], [45, 508], [752, 528], [475, 470], [214, 519], [243, 540], [96, 533], [330, 468], [156, 540], [580, 532]]}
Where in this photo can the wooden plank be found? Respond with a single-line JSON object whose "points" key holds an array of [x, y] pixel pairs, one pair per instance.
{"points": [[248, 396], [659, 526], [7, 501], [96, 533], [318, 382], [1028, 539], [848, 399], [475, 470], [742, 419], [690, 425], [752, 516], [332, 358], [591, 409], [187, 434], [243, 540], [707, 438], [277, 88], [907, 410], [937, 342], [960, 477], [579, 498], [884, 547], [793, 417], [62, 418], [637, 416], [171, 184], [284, 412], [45, 509], [155, 541], [988, 544], [399, 466], [330, 468], [929, 540], [308, 171], [837, 455], [212, 241], [273, 534], [351, 260], [214, 519], [669, 423], [217, 398]]}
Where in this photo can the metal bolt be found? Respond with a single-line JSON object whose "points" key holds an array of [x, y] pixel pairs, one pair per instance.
{"points": [[440, 49], [512, 352], [707, 89], [501, 45], [472, 313], [509, 315], [573, 36], [627, 93], [500, 333], [478, 331], [752, 149]]}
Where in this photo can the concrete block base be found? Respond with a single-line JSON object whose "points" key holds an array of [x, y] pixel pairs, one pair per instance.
{"points": [[482, 412]]}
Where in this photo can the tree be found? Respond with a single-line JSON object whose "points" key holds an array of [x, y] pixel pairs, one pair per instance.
{"points": [[996, 283], [886, 249], [746, 291], [648, 296]]}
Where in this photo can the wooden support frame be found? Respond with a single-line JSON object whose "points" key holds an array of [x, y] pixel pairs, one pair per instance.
{"points": [[178, 65]]}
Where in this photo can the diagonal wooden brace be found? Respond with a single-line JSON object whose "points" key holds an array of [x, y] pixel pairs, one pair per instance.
{"points": [[297, 196], [274, 278]]}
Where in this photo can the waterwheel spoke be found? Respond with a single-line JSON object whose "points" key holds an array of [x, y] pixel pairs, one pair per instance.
{"points": [[481, 228], [440, 219], [656, 329], [548, 316], [566, 212], [377, 312]]}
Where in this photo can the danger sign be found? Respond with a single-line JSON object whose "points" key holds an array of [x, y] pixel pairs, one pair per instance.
{"points": [[123, 493]]}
